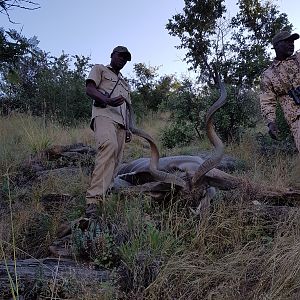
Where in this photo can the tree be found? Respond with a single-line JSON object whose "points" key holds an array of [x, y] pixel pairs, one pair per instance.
{"points": [[239, 47], [150, 90], [13, 48], [12, 44], [235, 45], [187, 115], [52, 87]]}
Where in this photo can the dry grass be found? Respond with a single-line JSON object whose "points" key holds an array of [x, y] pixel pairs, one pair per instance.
{"points": [[279, 169], [140, 147], [22, 135], [153, 123], [236, 257], [236, 251]]}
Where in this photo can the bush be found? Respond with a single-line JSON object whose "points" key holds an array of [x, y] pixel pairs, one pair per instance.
{"points": [[181, 133], [189, 106]]}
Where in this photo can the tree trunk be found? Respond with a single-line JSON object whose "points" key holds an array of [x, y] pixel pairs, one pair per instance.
{"points": [[54, 270]]}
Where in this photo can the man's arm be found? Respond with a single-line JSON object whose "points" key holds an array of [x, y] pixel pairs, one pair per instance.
{"points": [[102, 99], [268, 106]]}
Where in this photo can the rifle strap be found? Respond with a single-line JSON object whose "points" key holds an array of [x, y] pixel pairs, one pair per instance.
{"points": [[109, 95]]}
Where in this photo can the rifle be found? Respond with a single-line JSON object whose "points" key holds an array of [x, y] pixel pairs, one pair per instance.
{"points": [[295, 94]]}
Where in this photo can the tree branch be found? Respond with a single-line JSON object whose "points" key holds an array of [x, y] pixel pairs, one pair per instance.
{"points": [[6, 5]]}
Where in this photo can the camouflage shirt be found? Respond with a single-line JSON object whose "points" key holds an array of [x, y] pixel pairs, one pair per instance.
{"points": [[276, 81]]}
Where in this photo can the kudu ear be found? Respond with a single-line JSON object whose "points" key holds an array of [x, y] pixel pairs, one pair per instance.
{"points": [[217, 154]]}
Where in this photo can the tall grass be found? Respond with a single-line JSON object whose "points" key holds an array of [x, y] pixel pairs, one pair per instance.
{"points": [[161, 251], [14, 287], [236, 257], [22, 135]]}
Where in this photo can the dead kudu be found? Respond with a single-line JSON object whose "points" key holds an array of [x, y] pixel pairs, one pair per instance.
{"points": [[191, 175]]}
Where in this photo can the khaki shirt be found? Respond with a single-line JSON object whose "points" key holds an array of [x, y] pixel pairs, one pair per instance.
{"points": [[276, 81], [106, 80]]}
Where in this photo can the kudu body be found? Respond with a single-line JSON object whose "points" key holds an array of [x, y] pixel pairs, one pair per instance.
{"points": [[157, 174], [188, 173]]}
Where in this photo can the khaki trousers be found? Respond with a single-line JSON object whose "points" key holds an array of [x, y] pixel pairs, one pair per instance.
{"points": [[110, 141], [295, 129]]}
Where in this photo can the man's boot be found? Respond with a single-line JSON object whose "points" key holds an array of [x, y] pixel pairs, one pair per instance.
{"points": [[91, 211]]}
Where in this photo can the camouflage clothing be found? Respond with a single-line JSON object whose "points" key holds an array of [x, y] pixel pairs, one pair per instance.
{"points": [[276, 81]]}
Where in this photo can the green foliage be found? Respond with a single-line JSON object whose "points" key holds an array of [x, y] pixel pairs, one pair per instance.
{"points": [[94, 244], [240, 112], [36, 139], [35, 236], [252, 30], [144, 253], [189, 106], [194, 28], [179, 133], [53, 87], [150, 240], [32, 81], [56, 288], [238, 45], [149, 91], [13, 46], [50, 87], [187, 115], [186, 104]]}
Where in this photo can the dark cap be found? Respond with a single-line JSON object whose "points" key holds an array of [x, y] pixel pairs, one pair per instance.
{"points": [[122, 49], [284, 35]]}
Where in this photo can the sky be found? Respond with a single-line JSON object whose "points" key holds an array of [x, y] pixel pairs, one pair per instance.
{"points": [[94, 27]]}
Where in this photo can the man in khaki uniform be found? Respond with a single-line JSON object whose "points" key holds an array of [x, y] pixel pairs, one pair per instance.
{"points": [[110, 92], [281, 82]]}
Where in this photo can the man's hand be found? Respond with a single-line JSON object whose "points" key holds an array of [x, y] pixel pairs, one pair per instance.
{"points": [[115, 101], [99, 98], [102, 99], [128, 136], [273, 130]]}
